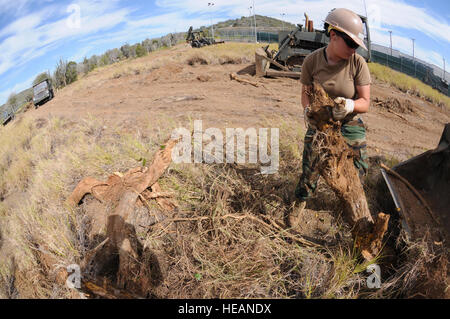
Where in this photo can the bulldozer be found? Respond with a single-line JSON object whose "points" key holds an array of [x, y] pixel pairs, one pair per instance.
{"points": [[294, 46], [197, 39], [420, 189]]}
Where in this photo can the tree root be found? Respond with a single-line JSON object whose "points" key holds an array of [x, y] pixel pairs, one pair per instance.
{"points": [[335, 165]]}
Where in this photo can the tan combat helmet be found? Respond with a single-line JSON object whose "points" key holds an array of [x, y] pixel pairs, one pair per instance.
{"points": [[348, 22]]}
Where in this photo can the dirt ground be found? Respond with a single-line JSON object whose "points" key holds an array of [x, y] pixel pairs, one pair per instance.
{"points": [[180, 91]]}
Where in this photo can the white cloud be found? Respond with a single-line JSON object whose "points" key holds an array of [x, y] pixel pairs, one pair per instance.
{"points": [[19, 47], [389, 12]]}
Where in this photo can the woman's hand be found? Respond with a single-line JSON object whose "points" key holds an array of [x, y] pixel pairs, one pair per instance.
{"points": [[343, 108]]}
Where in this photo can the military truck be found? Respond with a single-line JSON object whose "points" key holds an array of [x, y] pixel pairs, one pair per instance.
{"points": [[42, 93]]}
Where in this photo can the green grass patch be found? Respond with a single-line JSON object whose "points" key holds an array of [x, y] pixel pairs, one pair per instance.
{"points": [[407, 83]]}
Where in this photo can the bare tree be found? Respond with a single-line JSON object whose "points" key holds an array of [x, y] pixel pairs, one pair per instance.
{"points": [[60, 74], [12, 103]]}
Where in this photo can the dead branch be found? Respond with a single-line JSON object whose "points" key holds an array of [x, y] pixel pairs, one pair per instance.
{"points": [[390, 111], [234, 76]]}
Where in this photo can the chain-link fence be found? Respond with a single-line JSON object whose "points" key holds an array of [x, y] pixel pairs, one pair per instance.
{"points": [[247, 36], [426, 72]]}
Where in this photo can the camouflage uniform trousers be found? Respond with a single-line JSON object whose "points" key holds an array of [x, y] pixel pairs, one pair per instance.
{"points": [[354, 133]]}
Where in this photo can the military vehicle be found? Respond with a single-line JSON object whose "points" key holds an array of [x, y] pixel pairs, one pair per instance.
{"points": [[197, 39], [7, 117], [42, 93]]}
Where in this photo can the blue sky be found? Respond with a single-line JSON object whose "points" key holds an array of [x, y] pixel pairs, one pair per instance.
{"points": [[34, 34]]}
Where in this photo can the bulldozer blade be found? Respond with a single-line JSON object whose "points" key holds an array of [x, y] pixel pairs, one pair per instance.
{"points": [[420, 190], [263, 63]]}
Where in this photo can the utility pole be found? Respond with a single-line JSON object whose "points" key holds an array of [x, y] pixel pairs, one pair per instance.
{"points": [[282, 18], [414, 57], [254, 20], [444, 68], [390, 33], [210, 4], [250, 18], [365, 8]]}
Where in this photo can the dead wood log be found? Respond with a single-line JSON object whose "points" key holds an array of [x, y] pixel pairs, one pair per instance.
{"points": [[234, 76], [335, 165], [122, 191], [390, 111]]}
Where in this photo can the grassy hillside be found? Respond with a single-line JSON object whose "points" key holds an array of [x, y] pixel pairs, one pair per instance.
{"points": [[409, 84], [262, 22]]}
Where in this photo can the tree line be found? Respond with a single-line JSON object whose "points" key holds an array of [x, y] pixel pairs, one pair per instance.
{"points": [[67, 72]]}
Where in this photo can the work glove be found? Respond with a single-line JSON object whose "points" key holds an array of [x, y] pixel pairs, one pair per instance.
{"points": [[343, 108], [309, 121]]}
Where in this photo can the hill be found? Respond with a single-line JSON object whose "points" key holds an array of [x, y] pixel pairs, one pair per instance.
{"points": [[263, 23]]}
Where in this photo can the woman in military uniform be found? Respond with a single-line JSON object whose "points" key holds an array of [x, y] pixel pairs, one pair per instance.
{"points": [[345, 76]]}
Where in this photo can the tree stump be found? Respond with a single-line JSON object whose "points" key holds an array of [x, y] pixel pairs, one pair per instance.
{"points": [[336, 166], [122, 245]]}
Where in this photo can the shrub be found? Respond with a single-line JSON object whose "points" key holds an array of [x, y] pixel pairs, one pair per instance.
{"points": [[140, 51], [60, 73], [71, 72]]}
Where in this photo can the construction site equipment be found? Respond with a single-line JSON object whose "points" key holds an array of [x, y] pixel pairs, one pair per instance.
{"points": [[197, 39], [294, 46], [420, 190]]}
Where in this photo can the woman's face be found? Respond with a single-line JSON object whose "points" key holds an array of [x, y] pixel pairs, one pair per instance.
{"points": [[341, 49]]}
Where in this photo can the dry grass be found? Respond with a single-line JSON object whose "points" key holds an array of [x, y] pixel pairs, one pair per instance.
{"points": [[227, 53], [227, 239], [229, 248], [407, 83]]}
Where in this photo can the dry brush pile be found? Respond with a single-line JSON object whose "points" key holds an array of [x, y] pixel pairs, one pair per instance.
{"points": [[225, 238], [220, 233]]}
